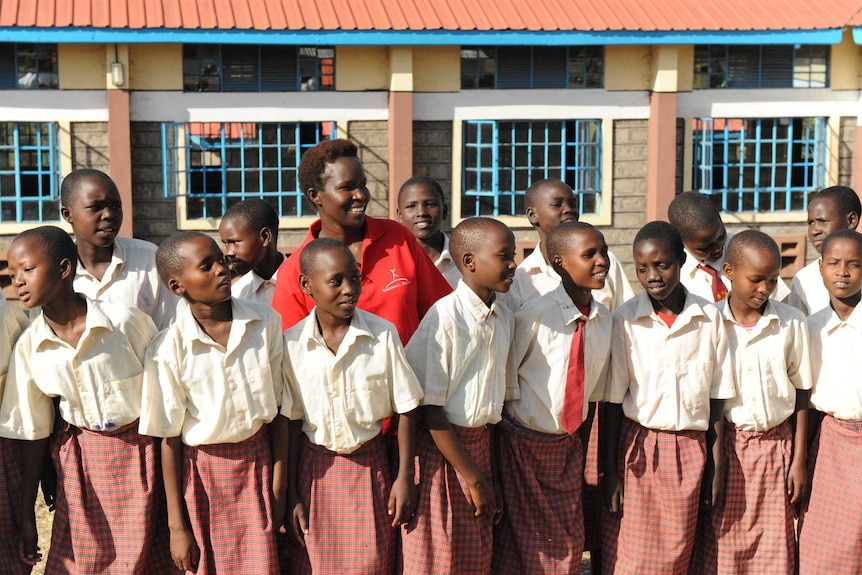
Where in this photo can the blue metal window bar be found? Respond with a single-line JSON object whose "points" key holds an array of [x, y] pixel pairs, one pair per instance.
{"points": [[29, 172], [501, 159], [759, 165], [225, 163]]}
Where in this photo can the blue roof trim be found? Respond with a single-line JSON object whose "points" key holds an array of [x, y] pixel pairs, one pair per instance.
{"points": [[417, 38]]}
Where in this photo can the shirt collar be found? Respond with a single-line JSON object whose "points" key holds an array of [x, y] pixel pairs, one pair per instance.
{"points": [[445, 255], [118, 257], [359, 328], [770, 313], [535, 262], [242, 315], [474, 304], [854, 321], [96, 319], [690, 310], [569, 310]]}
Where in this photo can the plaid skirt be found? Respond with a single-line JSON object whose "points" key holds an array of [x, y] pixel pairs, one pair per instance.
{"points": [[110, 517], [346, 496], [228, 494], [542, 529], [10, 499], [830, 528], [592, 496], [753, 531], [661, 473], [445, 536]]}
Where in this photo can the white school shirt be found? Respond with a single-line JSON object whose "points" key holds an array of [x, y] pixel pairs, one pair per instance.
{"points": [[544, 329], [131, 279], [534, 277], [13, 321], [252, 287], [209, 394], [459, 353], [665, 376], [835, 349], [343, 398], [770, 362], [446, 264], [807, 291], [98, 381]]}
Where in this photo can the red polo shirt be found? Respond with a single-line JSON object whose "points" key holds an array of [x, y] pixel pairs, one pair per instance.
{"points": [[399, 281]]}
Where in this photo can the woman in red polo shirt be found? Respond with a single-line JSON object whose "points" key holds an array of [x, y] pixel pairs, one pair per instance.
{"points": [[399, 281]]}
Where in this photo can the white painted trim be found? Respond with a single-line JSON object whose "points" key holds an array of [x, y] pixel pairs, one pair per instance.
{"points": [[530, 105], [768, 103], [53, 106], [258, 107]]}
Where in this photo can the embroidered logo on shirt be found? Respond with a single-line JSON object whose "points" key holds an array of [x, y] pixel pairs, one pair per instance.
{"points": [[397, 281]]}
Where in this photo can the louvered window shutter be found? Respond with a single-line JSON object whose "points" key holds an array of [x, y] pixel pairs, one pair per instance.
{"points": [[240, 68], [777, 67], [8, 67], [513, 67], [278, 69], [743, 67], [549, 67]]}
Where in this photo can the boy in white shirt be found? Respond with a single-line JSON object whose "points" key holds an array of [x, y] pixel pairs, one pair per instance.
{"points": [[249, 232], [89, 354], [561, 355], [670, 373], [829, 210], [459, 354], [766, 424], [347, 372], [830, 526], [212, 388]]}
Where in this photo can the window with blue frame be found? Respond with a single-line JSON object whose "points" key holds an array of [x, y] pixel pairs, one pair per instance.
{"points": [[29, 172], [800, 66], [512, 67], [501, 159], [252, 68], [759, 165], [28, 66], [215, 165]]}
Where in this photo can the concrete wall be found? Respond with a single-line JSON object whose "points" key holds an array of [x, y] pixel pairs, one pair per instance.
{"points": [[155, 216], [630, 185], [373, 142]]}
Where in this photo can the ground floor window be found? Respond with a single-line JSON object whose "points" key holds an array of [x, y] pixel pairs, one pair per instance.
{"points": [[29, 172]]}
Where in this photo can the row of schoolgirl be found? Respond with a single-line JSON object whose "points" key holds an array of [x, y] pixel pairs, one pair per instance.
{"points": [[535, 533]]}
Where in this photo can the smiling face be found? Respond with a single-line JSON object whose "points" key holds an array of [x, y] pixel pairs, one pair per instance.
{"points": [[334, 283], [344, 197], [421, 210], [491, 267], [754, 277], [707, 245], [95, 212], [244, 247], [205, 276], [555, 203], [37, 279], [823, 219], [657, 268], [841, 268], [584, 259]]}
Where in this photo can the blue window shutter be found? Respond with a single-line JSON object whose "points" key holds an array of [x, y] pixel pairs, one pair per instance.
{"points": [[240, 68], [550, 67], [513, 67], [278, 69], [777, 67], [8, 68], [743, 67]]}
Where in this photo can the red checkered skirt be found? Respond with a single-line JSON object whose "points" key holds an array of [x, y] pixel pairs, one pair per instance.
{"points": [[110, 516], [346, 496], [752, 532], [445, 536], [661, 472], [10, 499], [228, 494], [541, 531], [830, 528], [592, 495]]}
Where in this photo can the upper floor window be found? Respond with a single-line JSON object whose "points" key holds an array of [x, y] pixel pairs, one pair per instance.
{"points": [[761, 67], [29, 172], [759, 164], [241, 68], [215, 165], [501, 159], [532, 67], [28, 66]]}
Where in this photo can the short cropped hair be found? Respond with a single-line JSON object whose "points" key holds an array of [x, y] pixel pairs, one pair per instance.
{"points": [[469, 235], [533, 190], [844, 199], [422, 180], [311, 253], [751, 240], [72, 183], [662, 232], [58, 245], [558, 238], [313, 163], [169, 263], [692, 211], [842, 235], [257, 213]]}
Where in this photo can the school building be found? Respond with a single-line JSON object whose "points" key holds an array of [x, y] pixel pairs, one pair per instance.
{"points": [[192, 105]]}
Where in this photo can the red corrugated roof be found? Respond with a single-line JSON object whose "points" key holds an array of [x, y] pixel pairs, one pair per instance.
{"points": [[417, 15]]}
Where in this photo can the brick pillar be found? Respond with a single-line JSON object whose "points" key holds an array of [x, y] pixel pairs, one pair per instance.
{"points": [[661, 155], [400, 144], [120, 152]]}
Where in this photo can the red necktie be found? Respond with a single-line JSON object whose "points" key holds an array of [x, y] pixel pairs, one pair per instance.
{"points": [[719, 290], [573, 401]]}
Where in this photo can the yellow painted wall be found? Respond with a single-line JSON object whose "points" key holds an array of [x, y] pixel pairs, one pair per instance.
{"points": [[81, 66], [628, 67], [155, 67], [437, 68], [359, 68], [844, 72], [685, 74]]}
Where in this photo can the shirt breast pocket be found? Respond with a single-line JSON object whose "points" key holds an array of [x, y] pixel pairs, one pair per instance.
{"points": [[370, 401], [777, 383], [695, 380], [120, 403], [264, 403]]}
